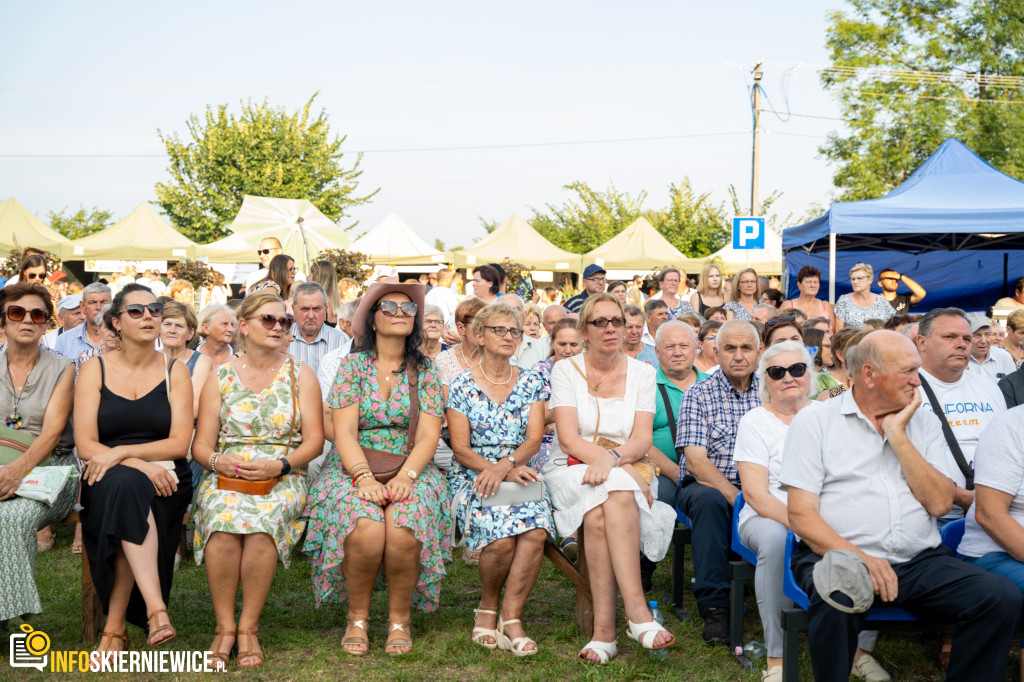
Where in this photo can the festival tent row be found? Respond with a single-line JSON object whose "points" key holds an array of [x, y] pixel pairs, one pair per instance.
{"points": [[516, 240], [19, 228], [956, 226], [640, 247], [141, 235], [392, 242]]}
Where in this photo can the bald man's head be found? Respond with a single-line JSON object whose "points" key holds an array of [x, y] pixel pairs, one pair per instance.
{"points": [[269, 247]]}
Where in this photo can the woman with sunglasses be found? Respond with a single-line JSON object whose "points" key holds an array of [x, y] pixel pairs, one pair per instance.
{"points": [[496, 419], [259, 418], [358, 523], [36, 389], [217, 327], [787, 381], [604, 416], [133, 424]]}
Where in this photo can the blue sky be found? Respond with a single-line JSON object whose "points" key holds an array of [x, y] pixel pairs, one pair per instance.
{"points": [[101, 79]]}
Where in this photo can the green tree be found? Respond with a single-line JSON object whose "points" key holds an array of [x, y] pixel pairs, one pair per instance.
{"points": [[692, 222], [908, 74], [590, 219], [265, 151], [81, 223]]}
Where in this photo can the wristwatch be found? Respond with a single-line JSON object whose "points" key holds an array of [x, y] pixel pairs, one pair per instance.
{"points": [[512, 461], [411, 474]]}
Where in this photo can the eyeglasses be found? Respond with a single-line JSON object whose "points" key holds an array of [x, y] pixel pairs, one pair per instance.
{"points": [[264, 252], [293, 270], [432, 323], [390, 308], [35, 275], [269, 321], [137, 310], [16, 313], [502, 331], [779, 320], [603, 322], [599, 280], [796, 371]]}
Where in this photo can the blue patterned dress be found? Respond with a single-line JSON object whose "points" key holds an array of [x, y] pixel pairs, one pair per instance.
{"points": [[495, 432]]}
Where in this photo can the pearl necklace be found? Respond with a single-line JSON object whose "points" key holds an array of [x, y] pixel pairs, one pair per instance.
{"points": [[496, 383]]}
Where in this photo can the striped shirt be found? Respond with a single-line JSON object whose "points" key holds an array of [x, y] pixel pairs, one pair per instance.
{"points": [[326, 340]]}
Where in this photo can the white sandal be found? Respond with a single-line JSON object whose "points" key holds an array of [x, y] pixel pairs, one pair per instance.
{"points": [[646, 633], [605, 651], [518, 645], [479, 633]]}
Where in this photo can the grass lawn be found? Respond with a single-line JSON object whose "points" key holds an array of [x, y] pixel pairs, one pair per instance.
{"points": [[303, 644]]}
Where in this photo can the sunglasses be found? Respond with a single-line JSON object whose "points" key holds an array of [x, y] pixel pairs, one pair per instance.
{"points": [[16, 313], [779, 320], [775, 373], [137, 310], [502, 331], [264, 252], [603, 322], [35, 275], [269, 321], [390, 308]]}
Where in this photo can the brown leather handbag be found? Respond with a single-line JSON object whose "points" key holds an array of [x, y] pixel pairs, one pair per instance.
{"points": [[385, 465], [264, 487]]}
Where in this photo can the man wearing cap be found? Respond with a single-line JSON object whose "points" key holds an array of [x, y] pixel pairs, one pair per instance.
{"points": [[594, 281], [73, 343], [268, 248], [865, 477], [987, 358], [70, 313]]}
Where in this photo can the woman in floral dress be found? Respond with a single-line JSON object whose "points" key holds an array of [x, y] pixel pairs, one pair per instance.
{"points": [[259, 418], [358, 524], [496, 419]]}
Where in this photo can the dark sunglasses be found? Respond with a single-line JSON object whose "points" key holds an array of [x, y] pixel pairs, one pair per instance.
{"points": [[603, 322], [779, 320], [16, 313], [263, 252], [390, 308], [502, 331], [269, 321], [137, 310], [35, 275], [775, 373]]}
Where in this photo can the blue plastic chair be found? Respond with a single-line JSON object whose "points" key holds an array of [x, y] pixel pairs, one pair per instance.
{"points": [[739, 572], [952, 533], [748, 554]]}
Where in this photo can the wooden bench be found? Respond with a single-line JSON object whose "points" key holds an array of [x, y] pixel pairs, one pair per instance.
{"points": [[92, 605]]}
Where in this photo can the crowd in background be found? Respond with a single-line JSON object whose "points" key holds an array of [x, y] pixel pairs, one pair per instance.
{"points": [[379, 426]]}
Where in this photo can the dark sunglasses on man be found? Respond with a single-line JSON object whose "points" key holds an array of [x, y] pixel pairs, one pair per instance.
{"points": [[263, 252], [16, 313]]}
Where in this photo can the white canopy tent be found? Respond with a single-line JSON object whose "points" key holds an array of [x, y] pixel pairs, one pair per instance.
{"points": [[392, 242], [299, 225]]}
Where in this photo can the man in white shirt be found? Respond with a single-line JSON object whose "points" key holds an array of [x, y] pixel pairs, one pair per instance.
{"points": [[442, 295], [864, 474], [540, 348], [968, 400], [269, 247], [987, 358], [71, 315], [656, 312]]}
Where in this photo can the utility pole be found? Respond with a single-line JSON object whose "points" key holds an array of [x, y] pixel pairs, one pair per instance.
{"points": [[756, 104]]}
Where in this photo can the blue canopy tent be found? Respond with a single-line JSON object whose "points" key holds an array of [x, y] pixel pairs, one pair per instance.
{"points": [[957, 222]]}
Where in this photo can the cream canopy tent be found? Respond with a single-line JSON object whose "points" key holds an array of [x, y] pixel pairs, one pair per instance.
{"points": [[520, 243], [640, 247], [392, 242], [17, 223], [230, 249], [299, 225], [141, 235], [767, 261]]}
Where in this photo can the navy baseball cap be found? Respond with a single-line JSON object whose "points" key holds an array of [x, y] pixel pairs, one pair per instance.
{"points": [[592, 270]]}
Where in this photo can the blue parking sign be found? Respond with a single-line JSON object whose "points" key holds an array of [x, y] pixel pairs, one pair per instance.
{"points": [[748, 233]]}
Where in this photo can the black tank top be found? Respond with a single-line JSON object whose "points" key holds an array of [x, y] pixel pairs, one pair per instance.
{"points": [[701, 308], [121, 421]]}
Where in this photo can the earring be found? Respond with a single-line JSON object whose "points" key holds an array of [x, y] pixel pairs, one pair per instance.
{"points": [[118, 345]]}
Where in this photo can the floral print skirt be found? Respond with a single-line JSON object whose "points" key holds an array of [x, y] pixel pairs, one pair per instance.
{"points": [[278, 514], [334, 508]]}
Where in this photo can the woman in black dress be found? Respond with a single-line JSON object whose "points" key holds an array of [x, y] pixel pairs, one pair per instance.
{"points": [[133, 424]]}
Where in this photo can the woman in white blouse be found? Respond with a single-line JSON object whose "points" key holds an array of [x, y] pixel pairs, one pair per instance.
{"points": [[604, 414], [787, 380]]}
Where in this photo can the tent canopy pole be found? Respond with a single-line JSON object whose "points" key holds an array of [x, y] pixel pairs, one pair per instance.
{"points": [[832, 268]]}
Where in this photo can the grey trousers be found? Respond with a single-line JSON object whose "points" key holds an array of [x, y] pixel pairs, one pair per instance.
{"points": [[768, 539]]}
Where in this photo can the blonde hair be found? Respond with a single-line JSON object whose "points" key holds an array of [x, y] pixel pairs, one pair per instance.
{"points": [[322, 272], [348, 289], [496, 309], [736, 284], [702, 285], [865, 267], [1015, 320], [533, 309], [210, 312]]}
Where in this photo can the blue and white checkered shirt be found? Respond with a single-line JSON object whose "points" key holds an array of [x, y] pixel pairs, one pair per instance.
{"points": [[326, 340], [709, 417]]}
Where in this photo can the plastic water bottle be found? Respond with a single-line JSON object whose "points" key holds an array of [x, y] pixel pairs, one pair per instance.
{"points": [[754, 649], [659, 654]]}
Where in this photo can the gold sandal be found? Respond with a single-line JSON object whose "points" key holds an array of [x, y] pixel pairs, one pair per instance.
{"points": [[393, 642], [363, 641], [246, 653], [216, 653], [160, 629]]}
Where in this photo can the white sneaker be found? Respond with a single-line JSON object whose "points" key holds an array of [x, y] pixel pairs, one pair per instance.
{"points": [[868, 669]]}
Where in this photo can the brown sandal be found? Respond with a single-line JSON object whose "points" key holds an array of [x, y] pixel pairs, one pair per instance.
{"points": [[107, 638], [246, 653], [217, 654], [160, 629]]}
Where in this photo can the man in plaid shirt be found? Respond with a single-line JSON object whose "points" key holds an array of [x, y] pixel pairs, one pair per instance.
{"points": [[709, 415]]}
